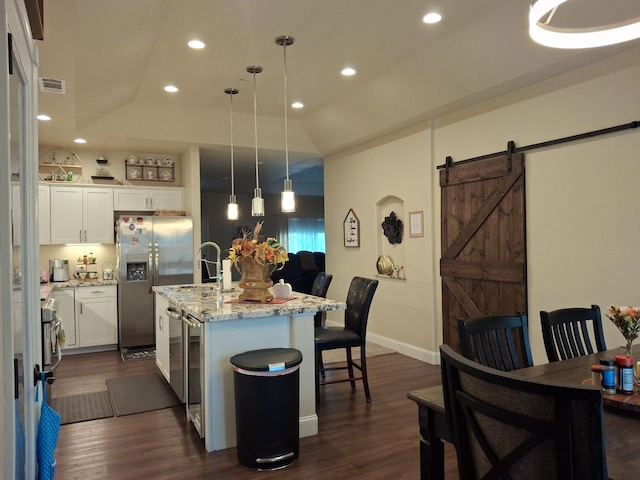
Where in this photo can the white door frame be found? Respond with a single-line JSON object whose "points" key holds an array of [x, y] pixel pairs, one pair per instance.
{"points": [[15, 21]]}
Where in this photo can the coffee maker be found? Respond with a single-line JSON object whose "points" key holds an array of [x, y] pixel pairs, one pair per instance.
{"points": [[59, 270]]}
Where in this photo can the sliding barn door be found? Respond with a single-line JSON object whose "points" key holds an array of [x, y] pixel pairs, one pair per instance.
{"points": [[483, 265]]}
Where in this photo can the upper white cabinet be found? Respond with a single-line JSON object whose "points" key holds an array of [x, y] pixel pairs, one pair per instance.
{"points": [[44, 218], [141, 199], [81, 215]]}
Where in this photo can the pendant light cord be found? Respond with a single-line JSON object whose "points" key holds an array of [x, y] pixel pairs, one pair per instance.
{"points": [[232, 174], [255, 124], [286, 128]]}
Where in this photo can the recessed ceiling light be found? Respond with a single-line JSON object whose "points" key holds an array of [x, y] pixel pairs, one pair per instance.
{"points": [[171, 89], [80, 140], [432, 17], [347, 72], [196, 44], [297, 104], [43, 117]]}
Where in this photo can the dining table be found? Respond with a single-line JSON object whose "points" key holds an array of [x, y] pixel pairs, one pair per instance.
{"points": [[621, 416]]}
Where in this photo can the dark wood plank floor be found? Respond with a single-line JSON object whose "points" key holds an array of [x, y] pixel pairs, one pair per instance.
{"points": [[356, 440]]}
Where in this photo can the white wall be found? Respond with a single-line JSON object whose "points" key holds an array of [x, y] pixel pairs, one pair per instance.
{"points": [[582, 199]]}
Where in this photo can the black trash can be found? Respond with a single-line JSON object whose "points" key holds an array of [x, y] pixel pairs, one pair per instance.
{"points": [[267, 384]]}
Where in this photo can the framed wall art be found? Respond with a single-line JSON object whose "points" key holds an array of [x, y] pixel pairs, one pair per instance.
{"points": [[351, 230], [416, 225]]}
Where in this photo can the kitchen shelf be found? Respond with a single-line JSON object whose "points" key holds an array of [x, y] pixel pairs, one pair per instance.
{"points": [[54, 172], [150, 173]]}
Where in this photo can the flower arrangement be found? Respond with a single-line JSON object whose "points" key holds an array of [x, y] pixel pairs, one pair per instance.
{"points": [[627, 319], [268, 252]]}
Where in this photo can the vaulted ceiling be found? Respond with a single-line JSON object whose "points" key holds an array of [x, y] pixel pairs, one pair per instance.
{"points": [[116, 56]]}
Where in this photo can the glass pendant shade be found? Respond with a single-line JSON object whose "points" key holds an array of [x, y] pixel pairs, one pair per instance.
{"points": [[232, 208], [257, 204], [288, 198]]}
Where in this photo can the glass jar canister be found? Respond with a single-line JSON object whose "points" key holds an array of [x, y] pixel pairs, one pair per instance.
{"points": [[608, 375], [624, 366]]}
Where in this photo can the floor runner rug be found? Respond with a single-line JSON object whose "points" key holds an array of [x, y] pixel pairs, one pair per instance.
{"points": [[83, 407], [140, 393]]}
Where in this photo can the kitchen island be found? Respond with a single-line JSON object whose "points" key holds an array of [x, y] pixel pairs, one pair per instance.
{"points": [[229, 327]]}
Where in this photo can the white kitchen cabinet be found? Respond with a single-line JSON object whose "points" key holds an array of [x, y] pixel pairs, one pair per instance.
{"points": [[44, 219], [162, 335], [81, 215], [66, 298], [142, 199], [97, 315]]}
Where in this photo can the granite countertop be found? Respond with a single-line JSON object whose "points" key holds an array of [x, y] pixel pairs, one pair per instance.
{"points": [[45, 288], [201, 302]]}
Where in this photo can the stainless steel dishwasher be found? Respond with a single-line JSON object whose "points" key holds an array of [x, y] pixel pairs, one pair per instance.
{"points": [[193, 346], [176, 351]]}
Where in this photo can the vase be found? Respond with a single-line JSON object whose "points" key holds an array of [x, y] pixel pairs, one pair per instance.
{"points": [[256, 280], [627, 350]]}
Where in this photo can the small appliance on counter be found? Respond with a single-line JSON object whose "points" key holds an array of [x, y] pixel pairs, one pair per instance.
{"points": [[58, 270]]}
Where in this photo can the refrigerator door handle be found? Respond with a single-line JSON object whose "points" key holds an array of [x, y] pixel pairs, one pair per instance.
{"points": [[150, 273], [156, 267]]}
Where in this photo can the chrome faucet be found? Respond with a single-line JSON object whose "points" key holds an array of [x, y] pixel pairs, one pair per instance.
{"points": [[218, 264]]}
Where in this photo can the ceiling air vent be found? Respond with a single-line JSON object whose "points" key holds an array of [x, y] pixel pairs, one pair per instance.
{"points": [[52, 85]]}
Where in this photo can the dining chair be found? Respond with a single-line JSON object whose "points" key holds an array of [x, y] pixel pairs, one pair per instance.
{"points": [[506, 426], [352, 334], [497, 341], [566, 332], [319, 289]]}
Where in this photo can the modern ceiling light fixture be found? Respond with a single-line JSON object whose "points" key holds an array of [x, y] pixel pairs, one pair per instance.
{"points": [[257, 204], [232, 207], [347, 72], [591, 37], [287, 197], [196, 44], [431, 18]]}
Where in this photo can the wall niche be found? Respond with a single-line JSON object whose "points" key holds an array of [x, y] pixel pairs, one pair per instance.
{"points": [[390, 260]]}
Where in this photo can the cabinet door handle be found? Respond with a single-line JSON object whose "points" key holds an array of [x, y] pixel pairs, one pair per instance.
{"points": [[85, 235], [97, 291], [80, 234], [150, 202]]}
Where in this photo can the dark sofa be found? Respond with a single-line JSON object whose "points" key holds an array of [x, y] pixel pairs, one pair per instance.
{"points": [[301, 270]]}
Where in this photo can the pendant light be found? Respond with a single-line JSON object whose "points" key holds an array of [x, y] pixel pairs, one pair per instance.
{"points": [[257, 204], [232, 207], [288, 197]]}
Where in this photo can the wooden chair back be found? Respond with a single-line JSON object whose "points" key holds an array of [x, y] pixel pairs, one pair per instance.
{"points": [[505, 426], [566, 332], [497, 341]]}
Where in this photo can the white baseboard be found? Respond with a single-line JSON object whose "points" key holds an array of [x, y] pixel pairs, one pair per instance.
{"points": [[308, 426]]}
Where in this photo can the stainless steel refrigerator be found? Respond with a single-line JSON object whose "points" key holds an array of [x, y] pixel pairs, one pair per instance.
{"points": [[151, 251]]}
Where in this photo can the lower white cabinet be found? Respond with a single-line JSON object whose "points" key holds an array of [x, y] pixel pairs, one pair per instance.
{"points": [[89, 315], [162, 335], [97, 315], [66, 298]]}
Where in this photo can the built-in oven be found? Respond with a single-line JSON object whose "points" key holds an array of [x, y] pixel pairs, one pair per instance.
{"points": [[176, 351], [193, 345]]}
